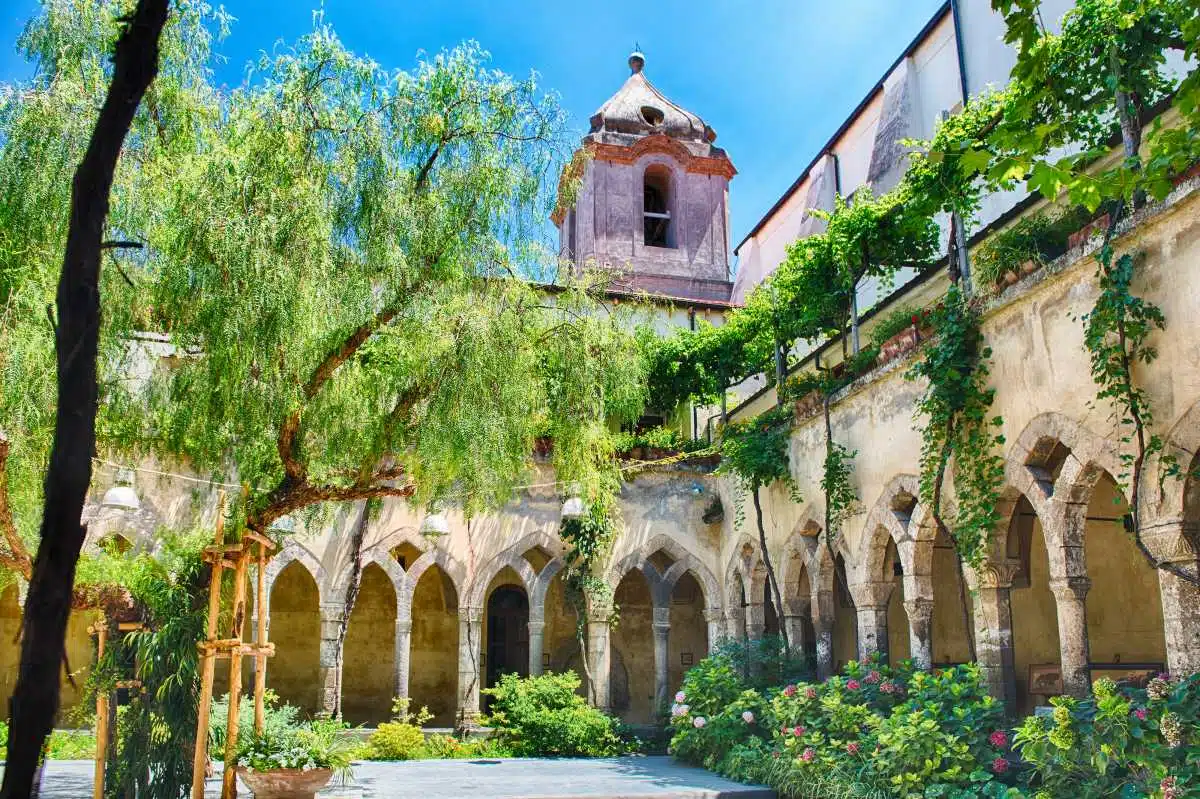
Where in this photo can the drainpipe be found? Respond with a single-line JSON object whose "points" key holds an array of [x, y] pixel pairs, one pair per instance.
{"points": [[956, 13], [695, 415]]}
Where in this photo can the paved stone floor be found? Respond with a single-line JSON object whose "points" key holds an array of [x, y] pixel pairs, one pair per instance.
{"points": [[618, 778]]}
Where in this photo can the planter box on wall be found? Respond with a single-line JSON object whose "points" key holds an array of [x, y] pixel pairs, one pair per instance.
{"points": [[1085, 233]]}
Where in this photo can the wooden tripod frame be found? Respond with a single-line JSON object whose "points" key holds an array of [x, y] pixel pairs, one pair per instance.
{"points": [[236, 558]]}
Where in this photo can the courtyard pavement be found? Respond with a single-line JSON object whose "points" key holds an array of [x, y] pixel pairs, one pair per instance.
{"points": [[617, 778]]}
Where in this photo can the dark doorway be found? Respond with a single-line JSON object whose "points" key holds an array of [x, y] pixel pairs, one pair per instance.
{"points": [[507, 635]]}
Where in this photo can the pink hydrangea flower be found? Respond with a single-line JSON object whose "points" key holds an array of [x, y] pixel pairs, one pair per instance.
{"points": [[999, 765], [1140, 714], [873, 677], [852, 685], [998, 738], [852, 747], [798, 731], [810, 692], [698, 722], [789, 691], [808, 755], [680, 697], [747, 717], [1169, 788]]}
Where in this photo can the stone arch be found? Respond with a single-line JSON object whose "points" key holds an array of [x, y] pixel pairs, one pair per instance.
{"points": [[894, 515], [435, 556], [293, 552], [524, 571], [380, 556], [1183, 442]]}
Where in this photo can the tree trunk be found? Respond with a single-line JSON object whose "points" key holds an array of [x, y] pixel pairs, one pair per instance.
{"points": [[762, 542], [35, 698], [356, 546]]}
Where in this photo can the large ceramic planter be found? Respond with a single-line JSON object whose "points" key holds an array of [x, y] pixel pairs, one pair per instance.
{"points": [[286, 783]]}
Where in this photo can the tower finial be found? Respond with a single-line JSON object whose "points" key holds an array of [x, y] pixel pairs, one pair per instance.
{"points": [[636, 59]]}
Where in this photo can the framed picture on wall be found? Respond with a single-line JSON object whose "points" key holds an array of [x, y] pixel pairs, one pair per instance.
{"points": [[1045, 679]]}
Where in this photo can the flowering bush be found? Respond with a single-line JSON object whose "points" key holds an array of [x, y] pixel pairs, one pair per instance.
{"points": [[1123, 741], [897, 732], [875, 732]]}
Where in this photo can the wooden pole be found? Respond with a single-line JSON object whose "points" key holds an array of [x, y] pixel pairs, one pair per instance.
{"points": [[260, 657], [208, 660], [229, 778], [101, 715]]}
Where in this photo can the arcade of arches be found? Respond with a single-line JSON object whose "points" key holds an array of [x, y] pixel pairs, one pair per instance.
{"points": [[1064, 596]]}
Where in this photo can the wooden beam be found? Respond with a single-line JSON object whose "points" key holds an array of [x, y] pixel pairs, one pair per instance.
{"points": [[208, 663]]}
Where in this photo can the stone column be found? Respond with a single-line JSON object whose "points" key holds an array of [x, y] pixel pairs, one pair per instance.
{"points": [[713, 618], [793, 622], [1070, 595], [662, 641], [873, 632], [599, 661], [330, 658], [994, 633], [920, 631], [735, 623], [756, 620], [403, 654], [470, 676], [1172, 543], [871, 603], [823, 627], [537, 638]]}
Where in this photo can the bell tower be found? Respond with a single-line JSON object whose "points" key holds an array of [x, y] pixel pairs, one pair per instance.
{"points": [[653, 203]]}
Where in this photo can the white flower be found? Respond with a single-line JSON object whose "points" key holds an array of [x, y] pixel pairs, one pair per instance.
{"points": [[748, 717], [680, 697], [698, 722], [679, 710]]}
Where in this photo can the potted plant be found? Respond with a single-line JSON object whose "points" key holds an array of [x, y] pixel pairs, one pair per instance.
{"points": [[295, 762]]}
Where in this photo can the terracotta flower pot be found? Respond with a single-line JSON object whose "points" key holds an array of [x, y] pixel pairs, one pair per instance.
{"points": [[286, 783], [897, 345], [1010, 277], [1029, 267], [1081, 236]]}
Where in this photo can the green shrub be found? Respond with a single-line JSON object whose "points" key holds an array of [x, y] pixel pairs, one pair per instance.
{"points": [[1038, 237], [71, 745], [396, 741], [321, 743], [544, 716], [897, 320], [278, 719]]}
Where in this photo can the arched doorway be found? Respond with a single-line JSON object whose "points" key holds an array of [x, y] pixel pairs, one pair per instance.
{"points": [[687, 642], [295, 671], [433, 658], [1124, 612], [507, 634], [952, 627], [899, 647], [369, 653], [633, 638], [1035, 620], [845, 618]]}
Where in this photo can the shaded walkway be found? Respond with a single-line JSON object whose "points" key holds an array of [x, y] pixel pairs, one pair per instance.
{"points": [[618, 778]]}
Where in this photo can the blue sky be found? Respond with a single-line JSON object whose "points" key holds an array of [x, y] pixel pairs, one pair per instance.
{"points": [[775, 78]]}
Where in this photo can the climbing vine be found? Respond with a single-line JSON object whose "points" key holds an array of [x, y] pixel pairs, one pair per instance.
{"points": [[589, 539], [756, 453], [1116, 333], [956, 408]]}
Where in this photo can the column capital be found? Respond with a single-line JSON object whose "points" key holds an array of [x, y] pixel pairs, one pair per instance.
{"points": [[872, 595], [713, 615], [662, 617], [1068, 589], [404, 626], [998, 574], [332, 610], [536, 626], [919, 610], [470, 613], [1172, 542]]}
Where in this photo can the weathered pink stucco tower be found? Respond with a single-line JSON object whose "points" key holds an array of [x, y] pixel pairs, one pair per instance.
{"points": [[653, 204]]}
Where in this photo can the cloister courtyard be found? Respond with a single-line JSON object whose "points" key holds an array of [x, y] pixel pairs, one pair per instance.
{"points": [[393, 426]]}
